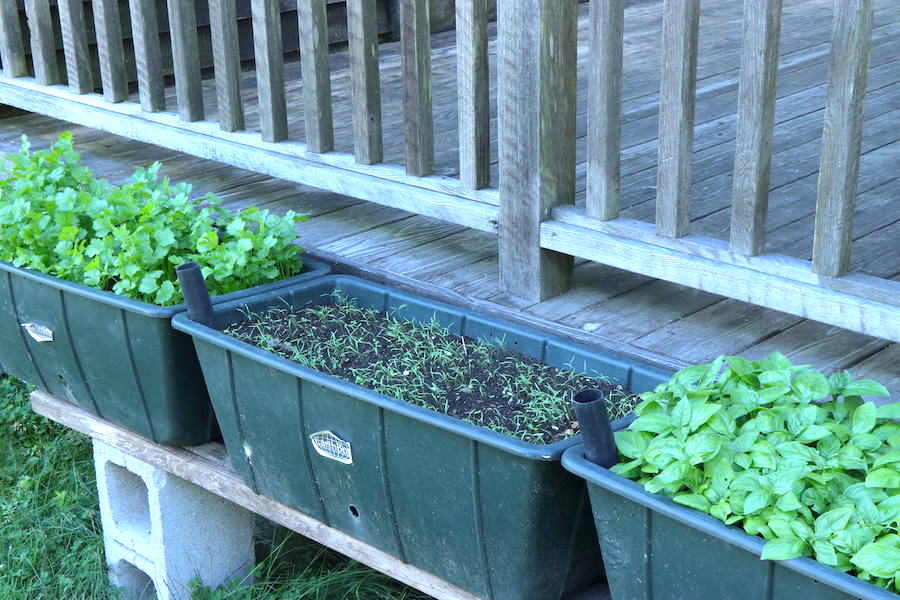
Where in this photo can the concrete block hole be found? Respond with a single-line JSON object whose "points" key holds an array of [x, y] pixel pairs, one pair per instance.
{"points": [[128, 500], [134, 583]]}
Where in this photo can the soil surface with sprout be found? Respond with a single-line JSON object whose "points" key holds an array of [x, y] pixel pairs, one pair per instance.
{"points": [[424, 364]]}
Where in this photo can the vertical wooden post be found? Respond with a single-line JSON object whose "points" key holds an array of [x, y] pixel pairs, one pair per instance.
{"points": [[147, 54], [365, 81], [186, 59], [43, 42], [267, 48], [111, 50], [226, 63], [474, 93], [12, 46], [839, 167], [681, 19], [316, 73], [75, 46], [537, 91], [605, 109], [755, 125], [415, 56]]}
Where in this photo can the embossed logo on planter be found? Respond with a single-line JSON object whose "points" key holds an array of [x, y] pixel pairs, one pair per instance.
{"points": [[331, 446], [38, 333]]}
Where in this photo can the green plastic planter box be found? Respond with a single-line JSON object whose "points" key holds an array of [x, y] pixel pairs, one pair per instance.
{"points": [[116, 357], [655, 549], [493, 515]]}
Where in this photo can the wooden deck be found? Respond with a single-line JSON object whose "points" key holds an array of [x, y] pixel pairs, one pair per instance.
{"points": [[659, 321]]}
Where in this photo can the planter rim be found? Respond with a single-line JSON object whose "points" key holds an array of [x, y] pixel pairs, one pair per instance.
{"points": [[147, 309], [517, 447], [573, 460]]}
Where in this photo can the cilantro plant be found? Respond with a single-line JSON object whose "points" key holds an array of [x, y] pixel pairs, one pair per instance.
{"points": [[782, 451], [57, 218]]}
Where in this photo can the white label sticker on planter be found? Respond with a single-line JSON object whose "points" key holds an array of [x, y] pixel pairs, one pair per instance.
{"points": [[331, 446], [38, 332]]}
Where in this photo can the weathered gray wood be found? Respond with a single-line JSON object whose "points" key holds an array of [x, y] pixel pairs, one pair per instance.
{"points": [[111, 50], [839, 165], [147, 54], [12, 46], [74, 35], [316, 71], [536, 73], [227, 64], [474, 93], [415, 40], [267, 46], [605, 109], [681, 19], [365, 81], [186, 59], [755, 125], [43, 42]]}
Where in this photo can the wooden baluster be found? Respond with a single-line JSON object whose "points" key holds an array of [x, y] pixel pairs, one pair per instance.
{"points": [[755, 124], [605, 109], [314, 56], [111, 50], [147, 55], [851, 41], [186, 59], [678, 85], [474, 93], [12, 46], [43, 42], [226, 63], [269, 69], [415, 54], [365, 83], [75, 46], [537, 92]]}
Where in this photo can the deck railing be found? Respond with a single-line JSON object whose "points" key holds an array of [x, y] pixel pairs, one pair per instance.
{"points": [[533, 207]]}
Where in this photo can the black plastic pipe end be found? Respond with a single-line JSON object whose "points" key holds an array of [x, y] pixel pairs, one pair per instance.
{"points": [[593, 422], [196, 295]]}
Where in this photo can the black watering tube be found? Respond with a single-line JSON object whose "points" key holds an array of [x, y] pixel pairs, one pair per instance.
{"points": [[593, 422], [196, 296]]}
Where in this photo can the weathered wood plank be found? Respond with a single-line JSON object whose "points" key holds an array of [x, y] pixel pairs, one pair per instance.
{"points": [[365, 82], [474, 93], [12, 46], [316, 75], [43, 42], [186, 59], [227, 64], [839, 165], [415, 40], [111, 50], [75, 45], [605, 109], [755, 125], [536, 62], [882, 367], [148, 54], [681, 19], [269, 70]]}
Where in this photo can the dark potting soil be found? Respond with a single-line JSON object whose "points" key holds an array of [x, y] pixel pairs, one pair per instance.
{"points": [[424, 364]]}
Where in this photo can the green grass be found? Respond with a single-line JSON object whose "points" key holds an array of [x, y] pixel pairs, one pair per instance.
{"points": [[51, 544]]}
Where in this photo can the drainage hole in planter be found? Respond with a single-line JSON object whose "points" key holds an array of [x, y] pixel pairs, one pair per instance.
{"points": [[353, 511]]}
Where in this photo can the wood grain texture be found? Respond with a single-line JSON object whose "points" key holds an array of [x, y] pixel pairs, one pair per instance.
{"points": [[111, 50], [755, 125], [365, 81], [314, 63], [75, 45], [474, 93], [681, 19], [227, 64], [267, 46], [147, 54], [536, 72], [43, 42], [415, 41], [604, 114], [186, 59], [12, 46], [839, 165]]}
